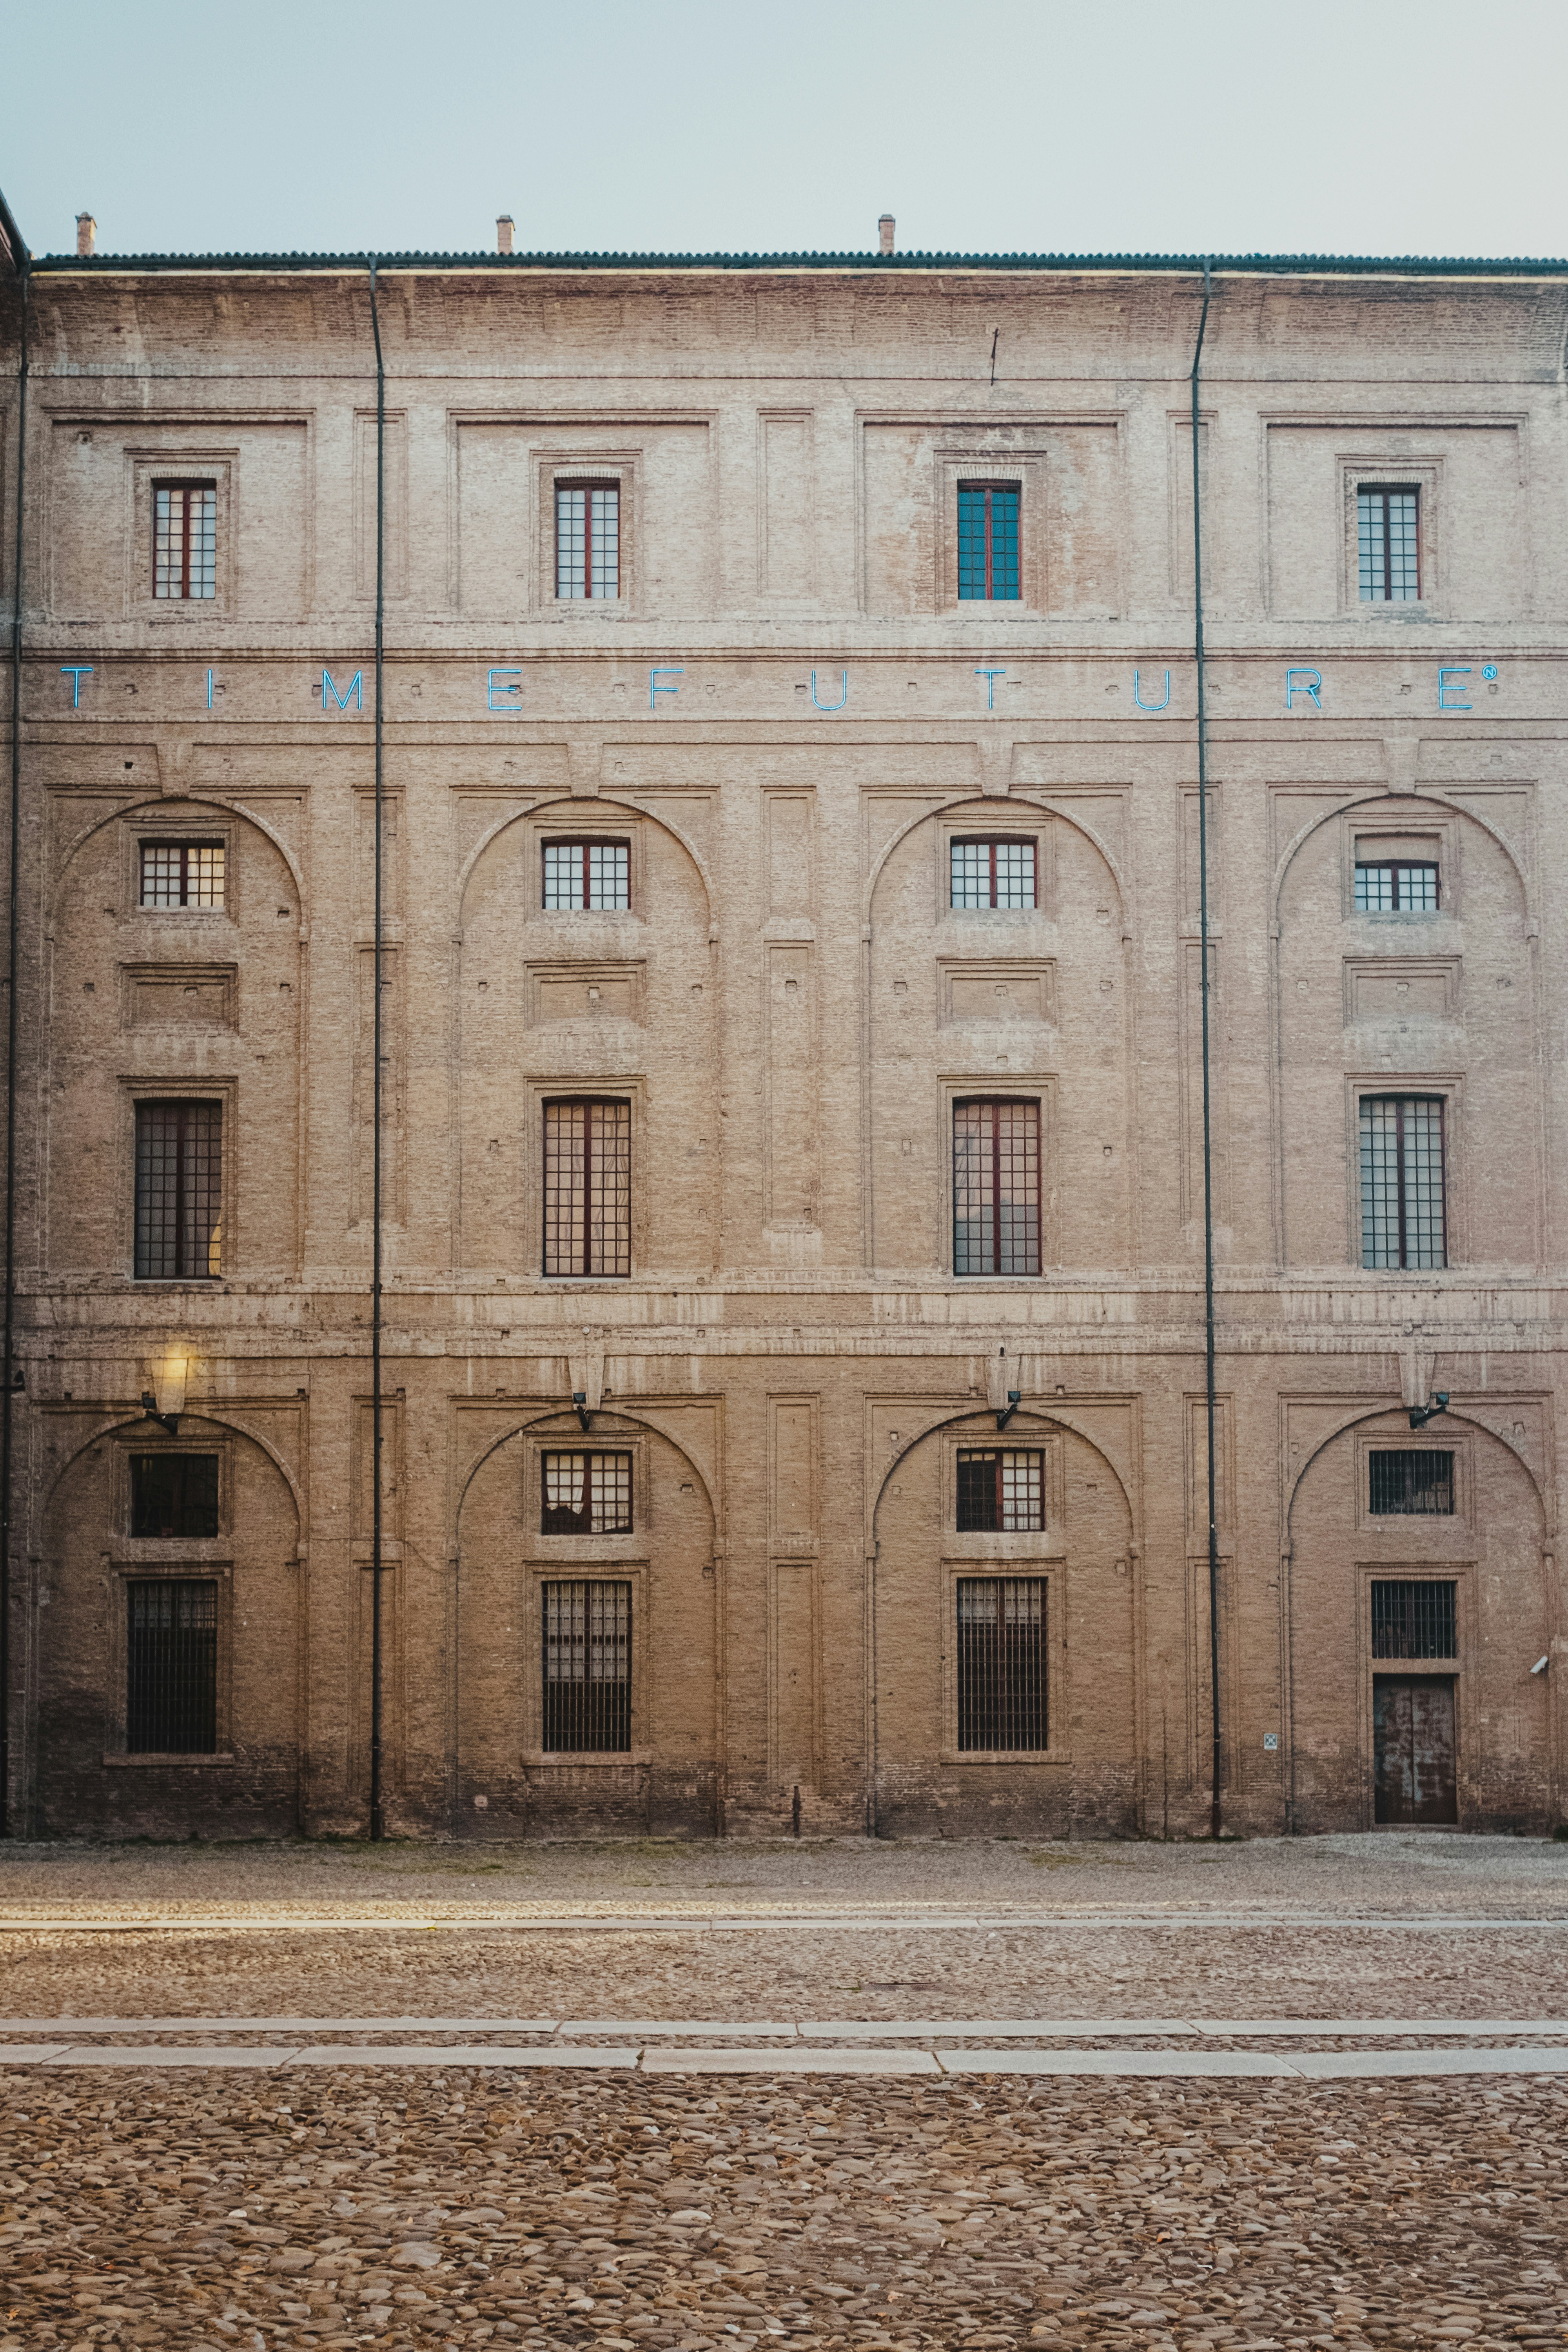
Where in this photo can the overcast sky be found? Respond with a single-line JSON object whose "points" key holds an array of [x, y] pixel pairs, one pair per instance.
{"points": [[1359, 126]]}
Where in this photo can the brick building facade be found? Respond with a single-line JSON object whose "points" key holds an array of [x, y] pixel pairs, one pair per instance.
{"points": [[791, 1044]]}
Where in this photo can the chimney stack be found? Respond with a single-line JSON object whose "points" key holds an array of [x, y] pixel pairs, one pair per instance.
{"points": [[885, 230], [86, 233], [504, 225]]}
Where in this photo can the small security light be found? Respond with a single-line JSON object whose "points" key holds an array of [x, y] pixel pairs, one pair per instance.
{"points": [[580, 1399], [1015, 1398], [1420, 1415]]}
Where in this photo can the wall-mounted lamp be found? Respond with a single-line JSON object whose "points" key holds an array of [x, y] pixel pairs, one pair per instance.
{"points": [[168, 1403], [1015, 1398], [1541, 1663], [1420, 1415], [580, 1399]]}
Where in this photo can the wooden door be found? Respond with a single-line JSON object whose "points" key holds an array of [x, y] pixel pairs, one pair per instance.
{"points": [[1413, 1746]]}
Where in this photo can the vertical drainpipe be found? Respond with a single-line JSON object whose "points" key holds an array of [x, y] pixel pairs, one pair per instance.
{"points": [[377, 1818], [6, 1403], [1209, 1399]]}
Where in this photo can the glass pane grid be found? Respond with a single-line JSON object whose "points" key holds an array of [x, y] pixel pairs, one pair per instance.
{"points": [[173, 1495], [587, 542], [987, 542], [1388, 546], [185, 542], [1397, 888], [1414, 1618], [1000, 1492], [588, 1659], [587, 1189], [996, 1188], [171, 1655], [592, 876], [1416, 1480], [1002, 1664], [587, 1493], [992, 874], [179, 1192], [1402, 1219], [181, 873]]}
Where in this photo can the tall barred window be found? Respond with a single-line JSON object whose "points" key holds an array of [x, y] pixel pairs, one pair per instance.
{"points": [[996, 1186], [1002, 1663], [1388, 545], [588, 1188], [587, 539], [988, 541], [588, 1667], [184, 539], [586, 1495], [179, 1192], [588, 874], [1403, 1220], [181, 873], [171, 1662], [993, 873]]}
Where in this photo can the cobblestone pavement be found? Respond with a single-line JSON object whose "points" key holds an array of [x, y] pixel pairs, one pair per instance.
{"points": [[457, 2205]]}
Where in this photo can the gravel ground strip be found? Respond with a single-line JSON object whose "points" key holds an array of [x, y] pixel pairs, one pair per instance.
{"points": [[456, 2206]]}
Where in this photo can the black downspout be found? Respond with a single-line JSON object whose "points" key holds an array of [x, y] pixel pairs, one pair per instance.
{"points": [[377, 1821], [1209, 1399], [7, 1406]]}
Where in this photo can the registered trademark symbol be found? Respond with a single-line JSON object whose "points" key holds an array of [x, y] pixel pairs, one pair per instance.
{"points": [[1489, 671]]}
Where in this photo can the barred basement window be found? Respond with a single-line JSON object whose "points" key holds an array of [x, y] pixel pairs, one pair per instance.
{"points": [[1411, 1481], [1002, 1663], [173, 1495], [591, 874], [587, 539], [1413, 1618], [996, 1186], [1402, 1205], [1388, 545], [1397, 889], [181, 873], [999, 873], [170, 1659], [586, 1495], [588, 1667], [179, 1192], [588, 1188], [1000, 1493], [185, 540], [988, 541]]}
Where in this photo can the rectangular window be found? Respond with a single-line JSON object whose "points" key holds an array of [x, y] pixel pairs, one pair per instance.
{"points": [[1000, 1493], [184, 539], [994, 874], [179, 1192], [1411, 1481], [182, 874], [1413, 1618], [1002, 1663], [988, 541], [173, 1495], [592, 874], [1402, 1209], [587, 1495], [588, 1667], [1388, 545], [996, 1186], [588, 1188], [170, 1657], [587, 539], [1396, 889]]}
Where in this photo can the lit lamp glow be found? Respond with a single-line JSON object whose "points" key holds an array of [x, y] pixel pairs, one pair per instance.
{"points": [[167, 1402]]}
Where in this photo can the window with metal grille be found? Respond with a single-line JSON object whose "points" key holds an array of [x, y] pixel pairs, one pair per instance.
{"points": [[588, 1667], [1402, 1209], [996, 1186], [1396, 889], [1388, 545], [179, 1192], [181, 873], [588, 874], [171, 1662], [184, 539], [173, 1495], [1002, 1663], [1412, 1481], [988, 540], [586, 1495], [1413, 1618], [587, 539], [588, 1188], [997, 873], [1000, 1493]]}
